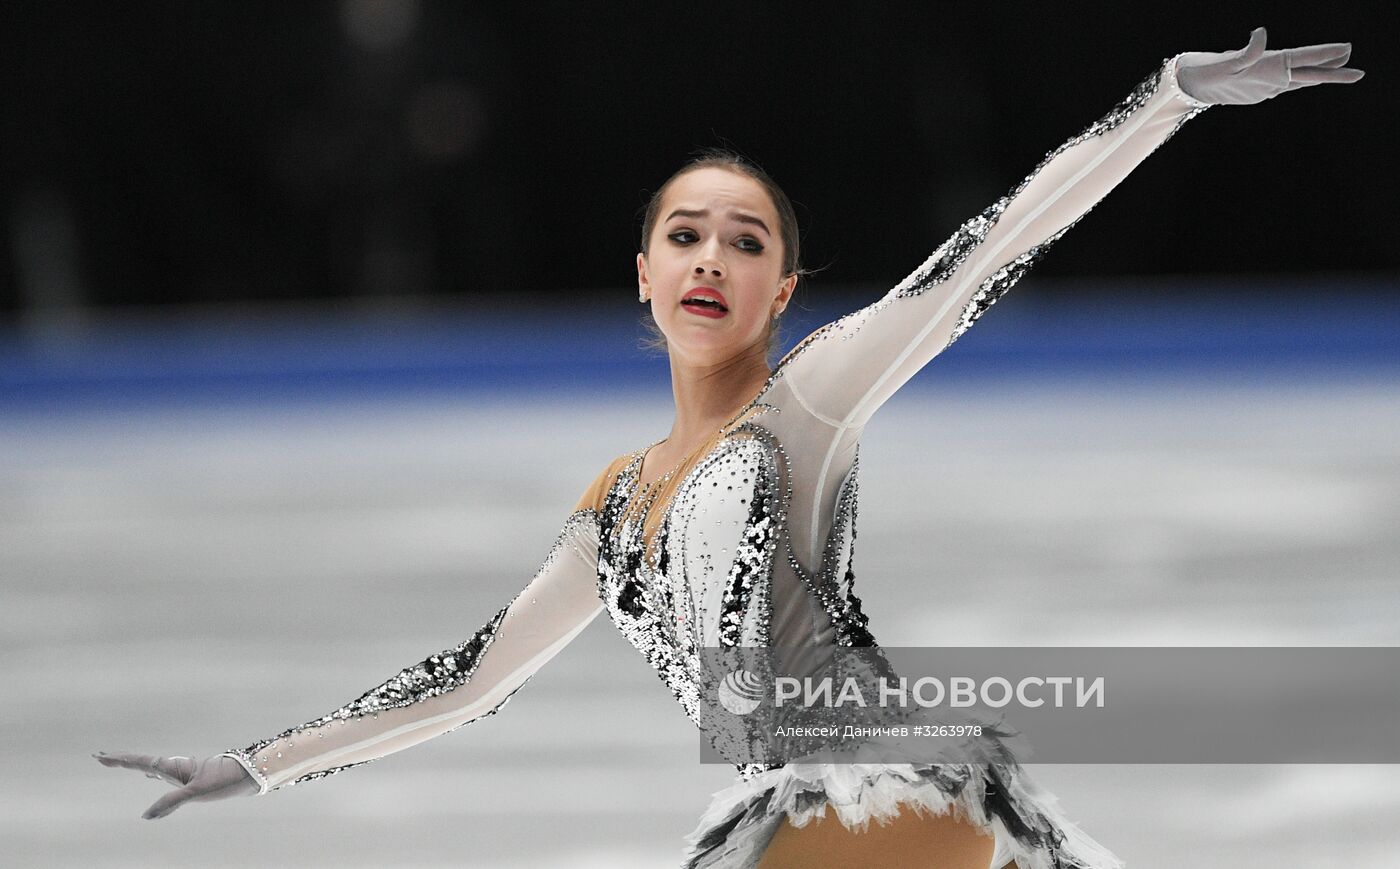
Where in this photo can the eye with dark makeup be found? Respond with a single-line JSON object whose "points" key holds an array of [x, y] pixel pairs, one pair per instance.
{"points": [[686, 236]]}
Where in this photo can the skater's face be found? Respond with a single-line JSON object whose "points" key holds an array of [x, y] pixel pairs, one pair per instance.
{"points": [[714, 266]]}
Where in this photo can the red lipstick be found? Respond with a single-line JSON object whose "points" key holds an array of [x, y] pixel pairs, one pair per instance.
{"points": [[705, 301]]}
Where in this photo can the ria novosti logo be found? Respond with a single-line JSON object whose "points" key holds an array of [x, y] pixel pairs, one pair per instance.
{"points": [[741, 692]]}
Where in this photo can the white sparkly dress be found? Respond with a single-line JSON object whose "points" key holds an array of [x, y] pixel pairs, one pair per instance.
{"points": [[749, 543]]}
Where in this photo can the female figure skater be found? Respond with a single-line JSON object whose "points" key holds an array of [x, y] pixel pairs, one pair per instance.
{"points": [[736, 529]]}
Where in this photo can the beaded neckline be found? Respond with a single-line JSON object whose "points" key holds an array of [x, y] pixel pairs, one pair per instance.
{"points": [[649, 503], [702, 449]]}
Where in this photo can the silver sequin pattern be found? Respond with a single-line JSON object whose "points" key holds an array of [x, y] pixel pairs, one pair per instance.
{"points": [[833, 584], [656, 600], [659, 602]]}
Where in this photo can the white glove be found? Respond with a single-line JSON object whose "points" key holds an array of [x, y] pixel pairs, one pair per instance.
{"points": [[210, 778], [1251, 74]]}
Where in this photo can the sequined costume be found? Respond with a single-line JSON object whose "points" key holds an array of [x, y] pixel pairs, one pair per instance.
{"points": [[749, 542]]}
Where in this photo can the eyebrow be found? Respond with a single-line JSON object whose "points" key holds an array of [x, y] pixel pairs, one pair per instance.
{"points": [[737, 215]]}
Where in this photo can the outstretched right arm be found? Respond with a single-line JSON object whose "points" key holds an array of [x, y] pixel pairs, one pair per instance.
{"points": [[440, 693]]}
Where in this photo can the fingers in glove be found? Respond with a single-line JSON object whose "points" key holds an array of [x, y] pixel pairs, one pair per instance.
{"points": [[141, 762], [1250, 54], [171, 770], [1312, 75], [1331, 54], [146, 763], [168, 803]]}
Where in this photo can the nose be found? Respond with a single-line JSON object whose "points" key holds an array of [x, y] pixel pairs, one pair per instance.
{"points": [[709, 265], [709, 258]]}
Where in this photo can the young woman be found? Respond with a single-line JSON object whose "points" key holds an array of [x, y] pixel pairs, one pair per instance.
{"points": [[736, 529]]}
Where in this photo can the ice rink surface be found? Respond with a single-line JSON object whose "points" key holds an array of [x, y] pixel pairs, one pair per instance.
{"points": [[187, 579]]}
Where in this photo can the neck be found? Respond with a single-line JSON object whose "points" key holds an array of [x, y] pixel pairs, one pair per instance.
{"points": [[709, 395]]}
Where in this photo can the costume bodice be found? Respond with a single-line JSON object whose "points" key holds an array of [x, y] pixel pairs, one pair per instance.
{"points": [[720, 569]]}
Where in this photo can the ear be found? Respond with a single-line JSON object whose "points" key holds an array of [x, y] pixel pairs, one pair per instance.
{"points": [[785, 289], [643, 284]]}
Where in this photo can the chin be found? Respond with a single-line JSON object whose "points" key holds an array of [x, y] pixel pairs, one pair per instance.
{"points": [[716, 349]]}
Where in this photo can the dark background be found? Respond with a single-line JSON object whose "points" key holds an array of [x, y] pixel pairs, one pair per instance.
{"points": [[172, 152]]}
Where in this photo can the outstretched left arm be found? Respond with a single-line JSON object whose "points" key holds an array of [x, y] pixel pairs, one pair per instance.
{"points": [[847, 369]]}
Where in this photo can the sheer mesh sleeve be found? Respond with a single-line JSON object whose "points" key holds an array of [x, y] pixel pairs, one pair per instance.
{"points": [[844, 371], [453, 687]]}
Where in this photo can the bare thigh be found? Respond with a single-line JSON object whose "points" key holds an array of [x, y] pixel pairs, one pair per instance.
{"points": [[910, 841]]}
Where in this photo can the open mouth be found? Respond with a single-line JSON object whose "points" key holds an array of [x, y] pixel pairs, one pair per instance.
{"points": [[705, 301]]}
